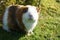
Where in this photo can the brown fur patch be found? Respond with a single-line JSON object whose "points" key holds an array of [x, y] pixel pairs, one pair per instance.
{"points": [[11, 17], [19, 14], [16, 12]]}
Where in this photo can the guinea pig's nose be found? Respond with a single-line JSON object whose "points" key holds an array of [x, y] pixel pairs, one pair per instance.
{"points": [[30, 16]]}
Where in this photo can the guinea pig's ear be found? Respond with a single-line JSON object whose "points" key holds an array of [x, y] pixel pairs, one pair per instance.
{"points": [[38, 9]]}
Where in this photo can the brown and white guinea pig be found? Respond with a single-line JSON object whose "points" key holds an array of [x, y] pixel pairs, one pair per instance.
{"points": [[21, 18]]}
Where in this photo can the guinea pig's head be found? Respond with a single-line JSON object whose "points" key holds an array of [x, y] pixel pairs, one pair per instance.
{"points": [[31, 14], [27, 13]]}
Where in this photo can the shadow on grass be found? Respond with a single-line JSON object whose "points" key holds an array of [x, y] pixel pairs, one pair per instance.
{"points": [[10, 35]]}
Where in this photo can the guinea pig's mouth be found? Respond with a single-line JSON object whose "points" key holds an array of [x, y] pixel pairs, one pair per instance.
{"points": [[31, 20]]}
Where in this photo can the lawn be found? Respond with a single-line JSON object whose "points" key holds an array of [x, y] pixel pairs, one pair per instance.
{"points": [[48, 27]]}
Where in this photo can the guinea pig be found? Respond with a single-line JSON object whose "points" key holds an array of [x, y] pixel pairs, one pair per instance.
{"points": [[20, 18]]}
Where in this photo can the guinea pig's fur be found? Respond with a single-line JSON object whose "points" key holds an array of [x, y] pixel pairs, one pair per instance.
{"points": [[20, 18]]}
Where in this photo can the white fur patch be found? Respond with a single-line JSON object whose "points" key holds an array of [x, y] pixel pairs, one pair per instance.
{"points": [[5, 20], [30, 24]]}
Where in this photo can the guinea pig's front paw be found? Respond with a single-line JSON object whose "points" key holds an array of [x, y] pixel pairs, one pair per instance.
{"points": [[30, 33]]}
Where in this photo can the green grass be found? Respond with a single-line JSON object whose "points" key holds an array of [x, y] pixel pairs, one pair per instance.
{"points": [[48, 27]]}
